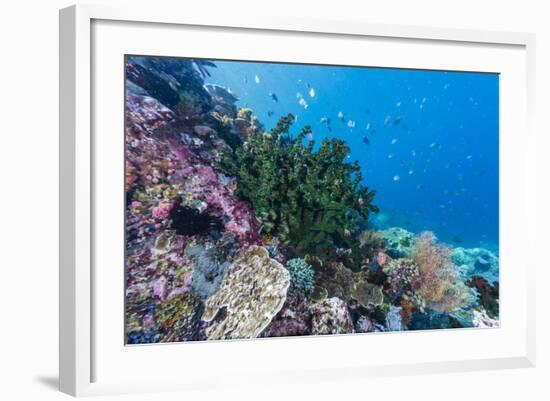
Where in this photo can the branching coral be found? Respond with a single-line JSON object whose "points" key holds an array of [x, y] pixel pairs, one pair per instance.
{"points": [[301, 277], [311, 199], [438, 282]]}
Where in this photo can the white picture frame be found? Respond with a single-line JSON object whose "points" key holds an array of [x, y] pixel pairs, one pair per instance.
{"points": [[80, 343]]}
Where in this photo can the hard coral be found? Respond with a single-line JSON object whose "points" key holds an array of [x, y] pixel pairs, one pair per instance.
{"points": [[366, 293], [301, 277], [400, 275], [331, 317], [252, 292], [398, 242], [310, 199]]}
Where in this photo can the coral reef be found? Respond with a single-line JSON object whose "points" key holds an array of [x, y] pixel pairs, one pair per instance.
{"points": [[366, 293], [293, 320], [481, 319], [331, 317], [211, 259], [487, 295], [400, 275], [333, 277], [301, 277], [476, 262], [371, 246], [393, 319], [398, 242], [234, 231], [311, 199], [251, 294], [364, 325], [438, 282]]}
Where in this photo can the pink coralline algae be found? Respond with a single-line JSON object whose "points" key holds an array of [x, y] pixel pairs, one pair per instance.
{"points": [[170, 167], [162, 211]]}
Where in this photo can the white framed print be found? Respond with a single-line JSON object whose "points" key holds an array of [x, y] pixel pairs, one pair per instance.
{"points": [[293, 199]]}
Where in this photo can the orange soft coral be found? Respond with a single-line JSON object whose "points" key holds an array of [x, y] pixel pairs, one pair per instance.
{"points": [[438, 283]]}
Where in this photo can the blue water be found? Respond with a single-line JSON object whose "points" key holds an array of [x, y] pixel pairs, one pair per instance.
{"points": [[433, 153]]}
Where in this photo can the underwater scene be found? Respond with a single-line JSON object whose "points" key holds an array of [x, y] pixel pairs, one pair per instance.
{"points": [[268, 199]]}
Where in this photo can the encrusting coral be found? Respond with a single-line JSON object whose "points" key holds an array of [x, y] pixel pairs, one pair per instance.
{"points": [[250, 295]]}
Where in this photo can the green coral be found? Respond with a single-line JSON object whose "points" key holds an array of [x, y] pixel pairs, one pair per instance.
{"points": [[312, 200], [301, 276]]}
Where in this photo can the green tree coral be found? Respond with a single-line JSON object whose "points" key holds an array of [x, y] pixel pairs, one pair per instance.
{"points": [[312, 200]]}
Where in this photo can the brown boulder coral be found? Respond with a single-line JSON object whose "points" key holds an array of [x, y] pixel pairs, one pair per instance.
{"points": [[250, 295]]}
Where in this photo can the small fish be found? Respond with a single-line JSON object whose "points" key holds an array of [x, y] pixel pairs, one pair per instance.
{"points": [[366, 140], [398, 104], [302, 102], [351, 124], [270, 113], [387, 120], [411, 171], [299, 95], [341, 116], [367, 111], [413, 153], [435, 145], [390, 156], [257, 79], [311, 92], [469, 157], [396, 178], [397, 121], [479, 173], [420, 186], [309, 137], [326, 121], [368, 127], [394, 141], [274, 97]]}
